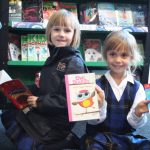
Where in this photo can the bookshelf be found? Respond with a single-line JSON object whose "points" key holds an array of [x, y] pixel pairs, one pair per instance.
{"points": [[23, 69]]}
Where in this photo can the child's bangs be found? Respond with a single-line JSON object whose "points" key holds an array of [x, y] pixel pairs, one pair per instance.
{"points": [[64, 21], [121, 46]]}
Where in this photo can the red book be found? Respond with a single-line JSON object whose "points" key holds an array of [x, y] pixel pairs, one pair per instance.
{"points": [[16, 92]]}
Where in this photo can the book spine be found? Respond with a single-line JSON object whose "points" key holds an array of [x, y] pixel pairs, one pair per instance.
{"points": [[68, 98]]}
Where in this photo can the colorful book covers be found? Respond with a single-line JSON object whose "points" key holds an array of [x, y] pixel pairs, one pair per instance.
{"points": [[81, 97]]}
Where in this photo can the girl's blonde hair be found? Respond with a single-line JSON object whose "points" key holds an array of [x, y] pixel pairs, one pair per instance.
{"points": [[123, 41], [64, 18]]}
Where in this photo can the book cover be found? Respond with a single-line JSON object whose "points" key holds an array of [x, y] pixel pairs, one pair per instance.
{"points": [[24, 48], [15, 10], [139, 14], [43, 52], [81, 97], [92, 50], [124, 15], [14, 47], [49, 7], [147, 92], [72, 7], [107, 14], [33, 48], [141, 47], [14, 90], [88, 13], [32, 11]]}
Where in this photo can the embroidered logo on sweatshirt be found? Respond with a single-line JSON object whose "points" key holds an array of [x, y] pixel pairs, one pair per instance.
{"points": [[61, 66]]}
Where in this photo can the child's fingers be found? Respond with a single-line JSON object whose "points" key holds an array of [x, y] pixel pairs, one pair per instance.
{"points": [[100, 92]]}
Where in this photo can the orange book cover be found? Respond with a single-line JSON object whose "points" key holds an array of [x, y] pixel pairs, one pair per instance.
{"points": [[16, 92]]}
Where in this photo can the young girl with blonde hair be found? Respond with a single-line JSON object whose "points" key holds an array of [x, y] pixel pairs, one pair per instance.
{"points": [[46, 125], [123, 106]]}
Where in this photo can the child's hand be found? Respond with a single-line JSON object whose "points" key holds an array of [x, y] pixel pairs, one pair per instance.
{"points": [[101, 95], [32, 101], [142, 107]]}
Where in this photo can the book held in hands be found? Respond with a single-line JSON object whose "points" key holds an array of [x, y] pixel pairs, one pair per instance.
{"points": [[81, 97], [14, 90]]}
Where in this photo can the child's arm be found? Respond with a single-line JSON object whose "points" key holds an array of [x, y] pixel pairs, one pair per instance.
{"points": [[137, 115]]}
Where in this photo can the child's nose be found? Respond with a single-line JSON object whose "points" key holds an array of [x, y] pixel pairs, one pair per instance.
{"points": [[118, 59]]}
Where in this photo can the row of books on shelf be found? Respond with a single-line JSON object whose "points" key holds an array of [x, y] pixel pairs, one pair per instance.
{"points": [[92, 15], [33, 47], [92, 49], [30, 47]]}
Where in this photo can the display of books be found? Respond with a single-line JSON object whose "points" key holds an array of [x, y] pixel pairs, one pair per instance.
{"points": [[14, 90], [81, 97], [124, 15], [88, 13], [147, 92], [107, 14], [92, 50]]}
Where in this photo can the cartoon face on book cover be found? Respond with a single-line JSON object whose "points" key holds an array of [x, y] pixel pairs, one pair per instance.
{"points": [[92, 50], [82, 98]]}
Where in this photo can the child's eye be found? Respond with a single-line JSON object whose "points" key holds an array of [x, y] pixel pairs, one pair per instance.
{"points": [[56, 29], [67, 30], [125, 55], [112, 54]]}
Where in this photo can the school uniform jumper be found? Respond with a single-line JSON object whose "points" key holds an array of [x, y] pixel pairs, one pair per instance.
{"points": [[115, 132]]}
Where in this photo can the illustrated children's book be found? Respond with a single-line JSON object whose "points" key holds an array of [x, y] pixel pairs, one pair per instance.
{"points": [[124, 15], [92, 50], [14, 47], [24, 48], [139, 14], [14, 90], [147, 91], [15, 10], [81, 97], [107, 14], [88, 13]]}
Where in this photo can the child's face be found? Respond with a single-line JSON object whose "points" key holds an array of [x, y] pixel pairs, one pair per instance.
{"points": [[118, 61], [61, 36]]}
